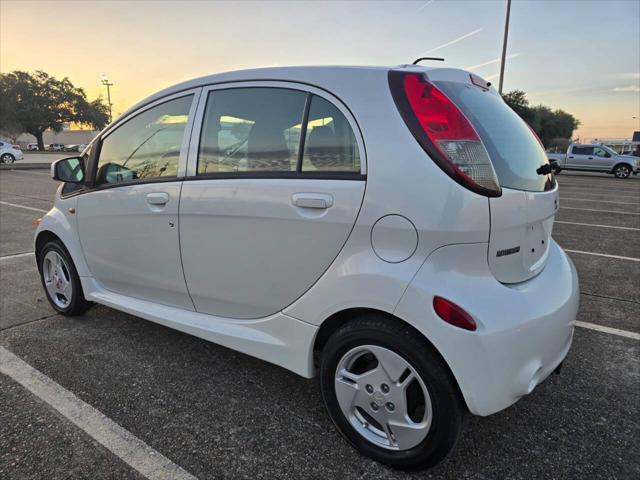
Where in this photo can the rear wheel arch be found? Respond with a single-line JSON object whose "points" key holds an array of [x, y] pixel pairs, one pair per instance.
{"points": [[343, 317]]}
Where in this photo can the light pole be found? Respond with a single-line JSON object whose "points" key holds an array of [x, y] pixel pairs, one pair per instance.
{"points": [[504, 47], [105, 81]]}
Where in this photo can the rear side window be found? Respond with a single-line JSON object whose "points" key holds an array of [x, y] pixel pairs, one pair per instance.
{"points": [[330, 144], [146, 146], [259, 129], [582, 150], [251, 130], [515, 152]]}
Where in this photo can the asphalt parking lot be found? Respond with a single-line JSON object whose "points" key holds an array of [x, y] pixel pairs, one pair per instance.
{"points": [[220, 414]]}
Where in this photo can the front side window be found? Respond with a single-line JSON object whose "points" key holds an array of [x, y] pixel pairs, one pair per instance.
{"points": [[601, 152], [330, 145], [254, 129], [146, 146]]}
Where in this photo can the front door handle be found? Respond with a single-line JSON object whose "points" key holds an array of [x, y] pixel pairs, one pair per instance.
{"points": [[312, 200], [157, 198], [590, 158]]}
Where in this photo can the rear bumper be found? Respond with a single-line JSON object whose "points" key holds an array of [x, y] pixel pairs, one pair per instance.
{"points": [[524, 330]]}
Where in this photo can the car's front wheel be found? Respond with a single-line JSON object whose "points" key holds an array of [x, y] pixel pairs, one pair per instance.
{"points": [[622, 171], [60, 280], [7, 158], [390, 394]]}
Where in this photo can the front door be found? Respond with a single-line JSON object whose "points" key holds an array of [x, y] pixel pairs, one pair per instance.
{"points": [[277, 188], [128, 220], [602, 159]]}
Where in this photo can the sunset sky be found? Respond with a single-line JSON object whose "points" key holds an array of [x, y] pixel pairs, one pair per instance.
{"points": [[581, 56]]}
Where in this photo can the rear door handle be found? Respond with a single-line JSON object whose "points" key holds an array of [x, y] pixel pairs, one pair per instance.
{"points": [[157, 198], [312, 200]]}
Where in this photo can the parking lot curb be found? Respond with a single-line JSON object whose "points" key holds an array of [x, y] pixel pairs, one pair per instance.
{"points": [[26, 166]]}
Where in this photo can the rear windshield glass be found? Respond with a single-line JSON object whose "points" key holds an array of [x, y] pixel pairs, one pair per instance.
{"points": [[514, 150]]}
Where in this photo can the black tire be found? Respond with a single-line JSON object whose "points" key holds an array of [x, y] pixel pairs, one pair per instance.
{"points": [[622, 171], [449, 410], [78, 304], [7, 158]]}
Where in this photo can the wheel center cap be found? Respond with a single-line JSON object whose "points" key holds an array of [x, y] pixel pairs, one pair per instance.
{"points": [[378, 398]]}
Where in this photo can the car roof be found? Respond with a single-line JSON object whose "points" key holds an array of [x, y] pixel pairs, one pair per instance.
{"points": [[302, 74]]}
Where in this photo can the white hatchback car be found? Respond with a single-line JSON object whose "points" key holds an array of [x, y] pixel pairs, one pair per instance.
{"points": [[9, 153], [387, 228]]}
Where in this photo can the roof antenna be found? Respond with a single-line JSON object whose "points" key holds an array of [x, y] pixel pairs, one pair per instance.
{"points": [[428, 58]]}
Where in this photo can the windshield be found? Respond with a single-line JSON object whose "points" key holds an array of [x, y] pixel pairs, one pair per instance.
{"points": [[515, 152]]}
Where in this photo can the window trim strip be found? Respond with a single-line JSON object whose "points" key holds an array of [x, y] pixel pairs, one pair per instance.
{"points": [[303, 131]]}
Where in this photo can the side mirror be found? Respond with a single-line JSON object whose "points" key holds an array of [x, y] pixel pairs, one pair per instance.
{"points": [[607, 155], [68, 170]]}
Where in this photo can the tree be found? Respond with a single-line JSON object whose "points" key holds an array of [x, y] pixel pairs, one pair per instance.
{"points": [[35, 102], [553, 127]]}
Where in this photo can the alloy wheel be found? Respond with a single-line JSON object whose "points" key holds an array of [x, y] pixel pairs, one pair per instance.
{"points": [[383, 397], [57, 279], [622, 171]]}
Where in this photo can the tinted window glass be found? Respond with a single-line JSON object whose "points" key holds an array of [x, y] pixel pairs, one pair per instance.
{"points": [[583, 150], [514, 150], [251, 130], [147, 146], [330, 145]]}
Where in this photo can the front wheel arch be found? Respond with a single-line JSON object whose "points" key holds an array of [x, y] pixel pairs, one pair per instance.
{"points": [[620, 164], [42, 239]]}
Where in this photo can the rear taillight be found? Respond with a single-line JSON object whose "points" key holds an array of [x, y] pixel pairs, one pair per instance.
{"points": [[444, 132], [17, 147], [453, 314]]}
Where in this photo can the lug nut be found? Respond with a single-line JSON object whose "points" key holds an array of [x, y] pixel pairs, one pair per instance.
{"points": [[374, 406], [369, 388], [390, 406], [385, 388]]}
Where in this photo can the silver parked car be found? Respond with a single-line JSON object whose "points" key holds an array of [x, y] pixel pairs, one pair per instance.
{"points": [[595, 158]]}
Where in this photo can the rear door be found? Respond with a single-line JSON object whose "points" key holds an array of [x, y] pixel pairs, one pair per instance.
{"points": [[276, 180], [581, 157], [522, 217]]}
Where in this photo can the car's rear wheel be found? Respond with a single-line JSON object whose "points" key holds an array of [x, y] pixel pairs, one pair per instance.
{"points": [[622, 171], [390, 394], [60, 280], [7, 158]]}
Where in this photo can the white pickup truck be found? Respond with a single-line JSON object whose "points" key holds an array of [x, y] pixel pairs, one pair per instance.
{"points": [[595, 158]]}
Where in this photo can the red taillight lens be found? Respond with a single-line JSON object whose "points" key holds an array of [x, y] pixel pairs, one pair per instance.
{"points": [[17, 147], [453, 314], [444, 132]]}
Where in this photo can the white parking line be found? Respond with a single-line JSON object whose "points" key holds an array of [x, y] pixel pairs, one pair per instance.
{"points": [[596, 210], [610, 330], [568, 199], [631, 259], [605, 191], [598, 225], [16, 255], [23, 206], [126, 446]]}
